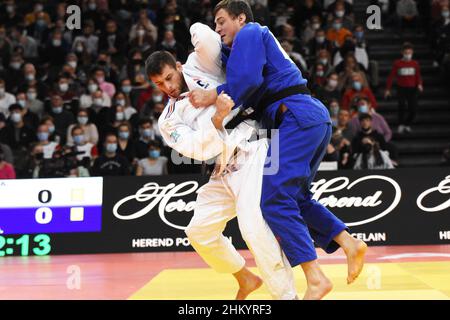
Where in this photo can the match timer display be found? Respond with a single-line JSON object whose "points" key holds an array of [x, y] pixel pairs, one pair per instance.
{"points": [[41, 206]]}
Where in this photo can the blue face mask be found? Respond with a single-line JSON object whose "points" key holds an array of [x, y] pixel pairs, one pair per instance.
{"points": [[57, 110], [154, 154], [111, 147], [147, 133], [357, 85], [124, 135], [78, 139], [51, 129], [363, 108], [126, 89], [359, 34], [42, 136]]}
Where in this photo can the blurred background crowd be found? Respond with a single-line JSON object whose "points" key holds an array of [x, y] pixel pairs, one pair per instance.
{"points": [[78, 103]]}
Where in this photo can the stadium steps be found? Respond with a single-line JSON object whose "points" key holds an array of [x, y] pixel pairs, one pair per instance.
{"points": [[431, 130]]}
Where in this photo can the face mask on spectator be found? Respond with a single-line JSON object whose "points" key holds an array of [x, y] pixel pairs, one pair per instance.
{"points": [[56, 42], [320, 39], [82, 120], [339, 13], [315, 26], [40, 22], [126, 89], [101, 79], [154, 154], [141, 32], [10, 8], [92, 88], [73, 64], [337, 26], [357, 85], [157, 98], [147, 133], [407, 57], [445, 14], [42, 136], [359, 34], [98, 101], [169, 27], [124, 135], [16, 117], [79, 49], [111, 147], [319, 73], [92, 6], [78, 139], [51, 129], [63, 87], [120, 116], [29, 77], [334, 109], [31, 95], [15, 65], [332, 83], [120, 102], [363, 108], [57, 110], [22, 103], [323, 61]]}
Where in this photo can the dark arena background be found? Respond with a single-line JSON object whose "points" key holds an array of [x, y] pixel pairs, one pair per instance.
{"points": [[80, 219]]}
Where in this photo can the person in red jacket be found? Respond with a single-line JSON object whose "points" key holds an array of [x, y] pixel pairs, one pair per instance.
{"points": [[358, 91], [409, 83]]}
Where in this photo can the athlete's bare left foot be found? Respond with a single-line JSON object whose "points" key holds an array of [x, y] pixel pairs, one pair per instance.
{"points": [[355, 259], [318, 290], [247, 285]]}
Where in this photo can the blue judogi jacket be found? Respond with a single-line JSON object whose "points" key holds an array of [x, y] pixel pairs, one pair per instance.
{"points": [[256, 64]]}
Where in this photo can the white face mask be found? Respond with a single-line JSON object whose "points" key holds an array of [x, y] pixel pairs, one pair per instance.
{"points": [[98, 101], [92, 88], [16, 117], [141, 33], [30, 77], [407, 56], [73, 64], [120, 116], [15, 65], [64, 87], [340, 13], [332, 83], [22, 103], [56, 42], [31, 95], [120, 102], [2, 91]]}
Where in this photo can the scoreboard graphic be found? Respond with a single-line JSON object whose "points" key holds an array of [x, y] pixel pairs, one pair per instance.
{"points": [[51, 205]]}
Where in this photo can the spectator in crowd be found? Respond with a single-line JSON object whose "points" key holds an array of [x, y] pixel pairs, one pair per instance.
{"points": [[324, 58], [83, 148], [30, 118], [50, 122], [29, 44], [407, 14], [337, 33], [346, 69], [125, 144], [319, 42], [409, 83], [17, 134], [61, 118], [318, 77], [378, 122], [334, 111], [372, 157], [329, 91], [7, 152], [6, 168], [90, 131], [110, 163], [304, 11], [87, 99], [6, 99], [10, 17], [48, 147], [33, 103], [154, 164], [120, 99], [143, 34], [169, 43], [310, 30], [440, 36], [13, 73], [350, 47], [105, 86], [146, 134], [357, 91], [87, 42], [342, 10], [114, 42]]}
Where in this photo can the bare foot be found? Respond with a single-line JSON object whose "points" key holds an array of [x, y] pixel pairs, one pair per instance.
{"points": [[355, 260], [248, 285], [318, 290]]}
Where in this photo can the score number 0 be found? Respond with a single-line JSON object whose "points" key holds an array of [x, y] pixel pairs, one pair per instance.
{"points": [[44, 215]]}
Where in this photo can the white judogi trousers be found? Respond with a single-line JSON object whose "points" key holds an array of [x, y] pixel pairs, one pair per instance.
{"points": [[238, 193]]}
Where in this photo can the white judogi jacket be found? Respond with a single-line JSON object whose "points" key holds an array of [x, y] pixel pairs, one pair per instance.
{"points": [[190, 130]]}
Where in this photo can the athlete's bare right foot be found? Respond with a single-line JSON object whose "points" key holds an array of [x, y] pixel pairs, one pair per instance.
{"points": [[248, 285], [355, 259], [318, 290]]}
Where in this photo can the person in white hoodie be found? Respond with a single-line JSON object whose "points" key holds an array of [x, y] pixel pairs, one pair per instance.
{"points": [[234, 189]]}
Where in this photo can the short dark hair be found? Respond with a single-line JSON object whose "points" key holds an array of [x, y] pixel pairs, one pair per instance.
{"points": [[235, 8], [157, 61], [364, 116], [407, 45]]}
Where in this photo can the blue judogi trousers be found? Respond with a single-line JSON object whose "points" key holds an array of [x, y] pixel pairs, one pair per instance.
{"points": [[286, 202]]}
